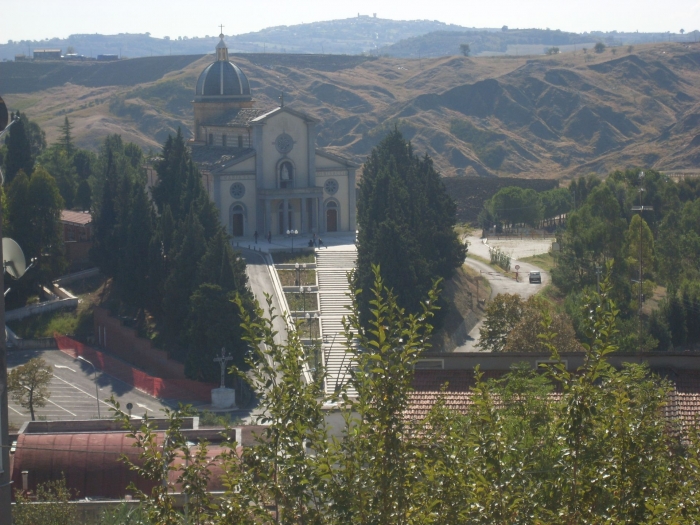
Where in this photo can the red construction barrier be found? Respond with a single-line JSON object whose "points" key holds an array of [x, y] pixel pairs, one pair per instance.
{"points": [[179, 389]]}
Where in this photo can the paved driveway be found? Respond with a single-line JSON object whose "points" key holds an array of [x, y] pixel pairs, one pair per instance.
{"points": [[505, 284], [73, 393]]}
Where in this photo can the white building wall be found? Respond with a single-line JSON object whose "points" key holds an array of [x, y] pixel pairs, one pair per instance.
{"points": [[296, 128]]}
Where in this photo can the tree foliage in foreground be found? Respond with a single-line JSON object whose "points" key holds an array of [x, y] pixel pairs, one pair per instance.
{"points": [[593, 445], [49, 506]]}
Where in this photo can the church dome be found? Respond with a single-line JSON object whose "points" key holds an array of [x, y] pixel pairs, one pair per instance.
{"points": [[222, 78]]}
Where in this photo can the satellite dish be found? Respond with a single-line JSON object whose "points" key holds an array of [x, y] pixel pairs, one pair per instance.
{"points": [[13, 258], [4, 117]]}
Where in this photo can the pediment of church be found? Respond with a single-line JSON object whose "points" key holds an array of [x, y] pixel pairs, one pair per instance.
{"points": [[326, 160]]}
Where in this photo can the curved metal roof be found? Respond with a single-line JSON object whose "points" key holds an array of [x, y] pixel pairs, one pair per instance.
{"points": [[90, 462], [222, 78]]}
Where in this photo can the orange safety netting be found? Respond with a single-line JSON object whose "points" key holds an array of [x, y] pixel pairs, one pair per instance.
{"points": [[179, 389]]}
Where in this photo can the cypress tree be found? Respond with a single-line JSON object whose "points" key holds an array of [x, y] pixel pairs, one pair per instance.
{"points": [[19, 150], [188, 248], [675, 315], [135, 262], [65, 140], [406, 224]]}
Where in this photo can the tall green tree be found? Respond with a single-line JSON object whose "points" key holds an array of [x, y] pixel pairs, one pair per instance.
{"points": [[213, 322], [406, 224], [188, 249], [513, 205], [60, 165], [134, 271], [173, 173], [19, 150], [65, 140]]}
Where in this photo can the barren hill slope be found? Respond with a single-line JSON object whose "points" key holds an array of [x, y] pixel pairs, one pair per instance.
{"points": [[553, 116]]}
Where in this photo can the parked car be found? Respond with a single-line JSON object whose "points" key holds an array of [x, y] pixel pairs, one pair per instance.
{"points": [[535, 277]]}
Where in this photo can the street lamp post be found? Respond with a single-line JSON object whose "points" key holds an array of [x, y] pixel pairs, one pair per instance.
{"points": [[298, 268], [292, 234], [304, 290], [97, 392]]}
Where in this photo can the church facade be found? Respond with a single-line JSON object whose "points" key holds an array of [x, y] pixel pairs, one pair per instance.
{"points": [[263, 169]]}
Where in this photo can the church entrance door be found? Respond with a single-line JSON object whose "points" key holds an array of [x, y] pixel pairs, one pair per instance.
{"points": [[332, 220], [290, 218], [237, 225]]}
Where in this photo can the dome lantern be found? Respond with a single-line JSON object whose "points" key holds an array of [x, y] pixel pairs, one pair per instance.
{"points": [[221, 49]]}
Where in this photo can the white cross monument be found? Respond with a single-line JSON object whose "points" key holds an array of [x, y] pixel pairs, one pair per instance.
{"points": [[222, 397]]}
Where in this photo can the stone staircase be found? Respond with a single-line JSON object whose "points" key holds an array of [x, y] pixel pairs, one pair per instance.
{"points": [[332, 267]]}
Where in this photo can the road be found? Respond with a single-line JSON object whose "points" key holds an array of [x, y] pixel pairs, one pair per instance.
{"points": [[501, 283], [261, 283], [73, 391]]}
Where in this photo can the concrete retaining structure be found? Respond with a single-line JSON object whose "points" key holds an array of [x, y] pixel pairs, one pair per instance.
{"points": [[124, 343]]}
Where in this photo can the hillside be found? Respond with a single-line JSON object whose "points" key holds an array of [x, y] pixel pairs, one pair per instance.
{"points": [[355, 35], [520, 42], [351, 36], [549, 116]]}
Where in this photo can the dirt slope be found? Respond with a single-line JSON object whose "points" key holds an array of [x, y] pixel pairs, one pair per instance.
{"points": [[552, 117]]}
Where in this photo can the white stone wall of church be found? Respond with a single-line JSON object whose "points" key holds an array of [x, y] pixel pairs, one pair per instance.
{"points": [[342, 195], [296, 128], [228, 201]]}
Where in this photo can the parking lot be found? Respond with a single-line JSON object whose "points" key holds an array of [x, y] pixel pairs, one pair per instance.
{"points": [[73, 393]]}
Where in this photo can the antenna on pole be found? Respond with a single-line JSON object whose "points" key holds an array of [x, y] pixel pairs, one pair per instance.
{"points": [[641, 209]]}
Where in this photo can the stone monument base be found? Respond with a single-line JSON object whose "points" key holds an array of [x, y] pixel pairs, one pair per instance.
{"points": [[223, 398]]}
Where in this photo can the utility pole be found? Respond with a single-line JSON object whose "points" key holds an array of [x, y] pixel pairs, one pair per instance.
{"points": [[641, 209], [5, 473], [597, 277]]}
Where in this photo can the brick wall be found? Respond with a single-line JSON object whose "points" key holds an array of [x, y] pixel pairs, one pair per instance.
{"points": [[125, 344]]}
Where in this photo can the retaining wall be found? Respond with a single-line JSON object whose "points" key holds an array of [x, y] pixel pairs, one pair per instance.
{"points": [[124, 343], [163, 388]]}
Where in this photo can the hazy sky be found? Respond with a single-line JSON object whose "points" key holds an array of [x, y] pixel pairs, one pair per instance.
{"points": [[39, 19]]}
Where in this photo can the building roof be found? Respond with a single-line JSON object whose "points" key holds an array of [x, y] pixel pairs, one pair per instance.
{"points": [[209, 158], [222, 78], [81, 218], [87, 454], [238, 117], [429, 387], [284, 109]]}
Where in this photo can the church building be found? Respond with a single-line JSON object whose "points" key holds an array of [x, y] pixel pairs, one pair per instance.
{"points": [[263, 169]]}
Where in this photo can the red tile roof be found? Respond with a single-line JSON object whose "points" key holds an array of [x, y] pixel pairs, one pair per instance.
{"points": [[76, 217], [683, 403]]}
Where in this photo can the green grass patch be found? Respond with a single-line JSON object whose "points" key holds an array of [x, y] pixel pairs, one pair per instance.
{"points": [[299, 302], [486, 261], [288, 277], [543, 260], [291, 258], [61, 321], [212, 419], [484, 284], [78, 321]]}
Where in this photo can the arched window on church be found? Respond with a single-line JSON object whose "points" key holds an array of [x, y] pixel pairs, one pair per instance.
{"points": [[223, 140], [286, 174], [211, 139]]}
